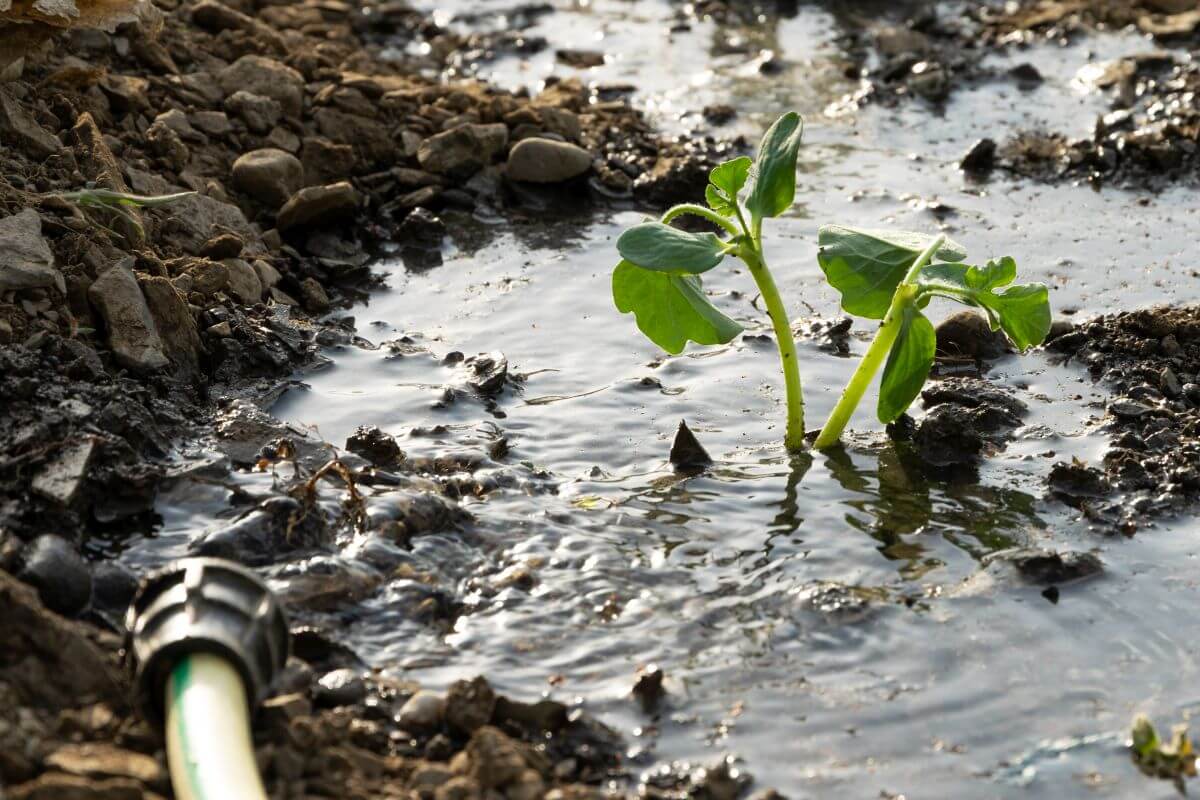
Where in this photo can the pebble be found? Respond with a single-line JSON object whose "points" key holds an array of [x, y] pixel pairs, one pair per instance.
{"points": [[341, 687], [423, 712], [318, 205], [52, 565], [470, 705], [268, 175], [538, 160]]}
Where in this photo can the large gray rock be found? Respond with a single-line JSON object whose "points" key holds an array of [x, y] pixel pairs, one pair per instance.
{"points": [[538, 160], [318, 205], [26, 261], [174, 323], [462, 151], [131, 333], [266, 77], [268, 175]]}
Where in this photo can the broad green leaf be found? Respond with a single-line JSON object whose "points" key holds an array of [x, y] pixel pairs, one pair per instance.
{"points": [[1021, 311], [725, 181], [866, 266], [731, 176], [670, 309], [775, 172], [908, 364], [659, 247]]}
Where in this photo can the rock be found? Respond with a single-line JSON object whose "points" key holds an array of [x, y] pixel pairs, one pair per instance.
{"points": [[51, 565], [376, 446], [263, 535], [243, 282], [495, 760], [192, 220], [1027, 76], [26, 261], [951, 434], [537, 160], [214, 123], [268, 175], [371, 140], [167, 145], [126, 93], [423, 712], [457, 787], [527, 786], [462, 151], [61, 479], [174, 322], [422, 228], [487, 372], [686, 451], [469, 705], [980, 160], [98, 760], [113, 588], [968, 334], [99, 166], [267, 274], [318, 205], [1128, 409], [223, 245], [1046, 567], [177, 121], [259, 112], [313, 295], [1077, 481], [19, 129], [648, 688], [266, 77], [580, 59], [131, 333], [972, 393], [325, 161], [208, 277], [341, 687], [60, 786]]}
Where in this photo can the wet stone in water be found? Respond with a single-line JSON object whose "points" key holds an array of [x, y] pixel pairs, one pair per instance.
{"points": [[54, 567], [341, 687], [648, 687], [469, 705], [687, 454], [376, 446], [424, 711], [1046, 567]]}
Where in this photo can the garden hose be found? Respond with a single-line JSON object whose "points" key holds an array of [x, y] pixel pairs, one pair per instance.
{"points": [[206, 639]]}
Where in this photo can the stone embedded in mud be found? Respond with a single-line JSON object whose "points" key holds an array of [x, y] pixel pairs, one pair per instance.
{"points": [[26, 261], [537, 160], [980, 160], [686, 451], [1077, 481], [276, 528], [968, 334], [62, 478], [462, 151], [127, 320], [487, 372], [648, 687], [318, 205], [259, 112], [469, 705], [242, 282], [422, 228], [266, 77], [1046, 567], [314, 296], [674, 179], [54, 567], [952, 434], [174, 322], [376, 446], [268, 175], [972, 393]]}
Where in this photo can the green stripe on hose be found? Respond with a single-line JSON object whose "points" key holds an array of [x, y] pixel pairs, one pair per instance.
{"points": [[181, 679]]}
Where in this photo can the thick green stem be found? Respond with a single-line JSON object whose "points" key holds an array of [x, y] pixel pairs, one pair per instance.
{"points": [[877, 353], [793, 437]]}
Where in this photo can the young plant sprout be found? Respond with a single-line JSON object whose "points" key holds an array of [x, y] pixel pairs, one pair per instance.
{"points": [[658, 278], [892, 276], [117, 203]]}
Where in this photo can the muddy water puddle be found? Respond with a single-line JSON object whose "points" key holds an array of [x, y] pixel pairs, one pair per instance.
{"points": [[839, 622]]}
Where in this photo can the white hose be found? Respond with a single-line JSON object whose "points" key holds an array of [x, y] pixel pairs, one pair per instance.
{"points": [[209, 750]]}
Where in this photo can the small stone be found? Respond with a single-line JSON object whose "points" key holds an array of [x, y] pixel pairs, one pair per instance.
{"points": [[223, 245], [1128, 409], [26, 261], [62, 478], [259, 112], [537, 160], [686, 452], [131, 333], [222, 330], [243, 281], [341, 687], [53, 567], [462, 151], [214, 123], [267, 274], [423, 712], [968, 334], [268, 175], [980, 159], [422, 228], [318, 205], [376, 446], [470, 705], [208, 277], [648, 687], [99, 761], [313, 295], [1045, 567], [1169, 383], [18, 128], [266, 77]]}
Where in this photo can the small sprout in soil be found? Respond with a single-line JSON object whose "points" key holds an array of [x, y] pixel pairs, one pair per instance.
{"points": [[658, 278], [1173, 760], [117, 202], [892, 275]]}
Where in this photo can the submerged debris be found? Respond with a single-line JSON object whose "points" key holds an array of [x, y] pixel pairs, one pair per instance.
{"points": [[687, 454]]}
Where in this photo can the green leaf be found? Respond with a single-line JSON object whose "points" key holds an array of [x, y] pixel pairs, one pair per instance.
{"points": [[908, 364], [725, 181], [1022, 311], [866, 266], [775, 173], [659, 247], [670, 309]]}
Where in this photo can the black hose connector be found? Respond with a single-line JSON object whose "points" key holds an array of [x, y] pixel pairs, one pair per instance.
{"points": [[203, 605]]}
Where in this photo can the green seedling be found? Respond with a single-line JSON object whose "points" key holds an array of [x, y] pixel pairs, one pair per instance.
{"points": [[118, 203], [892, 276], [658, 278], [1173, 760]]}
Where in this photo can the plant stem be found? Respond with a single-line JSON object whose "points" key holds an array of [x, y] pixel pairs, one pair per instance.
{"points": [[877, 353], [793, 437], [700, 211]]}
